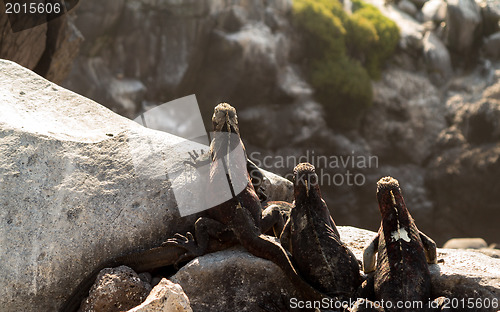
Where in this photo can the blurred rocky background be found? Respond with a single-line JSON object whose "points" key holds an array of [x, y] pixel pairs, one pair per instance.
{"points": [[411, 85]]}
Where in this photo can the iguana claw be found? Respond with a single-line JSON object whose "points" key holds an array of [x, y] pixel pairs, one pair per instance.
{"points": [[187, 243]]}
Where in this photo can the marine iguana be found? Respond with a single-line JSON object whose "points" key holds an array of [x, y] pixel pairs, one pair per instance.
{"points": [[312, 238], [240, 217], [401, 271]]}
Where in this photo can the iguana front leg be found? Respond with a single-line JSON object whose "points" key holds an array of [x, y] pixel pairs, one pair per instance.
{"points": [[369, 255], [197, 245], [429, 248]]}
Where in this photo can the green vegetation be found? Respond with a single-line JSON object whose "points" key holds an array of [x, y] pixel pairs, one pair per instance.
{"points": [[343, 52]]}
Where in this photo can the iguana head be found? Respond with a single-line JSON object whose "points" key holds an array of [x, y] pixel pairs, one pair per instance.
{"points": [[390, 199], [225, 119], [305, 181]]}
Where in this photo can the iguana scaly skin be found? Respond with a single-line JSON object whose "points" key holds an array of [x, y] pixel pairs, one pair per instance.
{"points": [[314, 242], [241, 216], [401, 270]]}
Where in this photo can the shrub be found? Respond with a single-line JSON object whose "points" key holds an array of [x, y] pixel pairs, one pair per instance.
{"points": [[387, 32], [344, 86], [323, 31], [342, 52]]}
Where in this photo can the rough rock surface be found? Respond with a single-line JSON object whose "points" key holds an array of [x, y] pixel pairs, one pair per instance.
{"points": [[165, 297], [466, 274], [115, 290], [468, 162], [214, 48], [234, 280], [407, 113], [49, 48], [79, 185]]}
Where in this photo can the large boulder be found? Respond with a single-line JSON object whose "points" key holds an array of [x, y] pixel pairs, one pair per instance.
{"points": [[80, 185], [233, 280]]}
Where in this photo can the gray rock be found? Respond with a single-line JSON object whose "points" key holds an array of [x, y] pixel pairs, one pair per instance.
{"points": [[466, 274], [463, 21], [299, 122], [277, 187], [437, 58], [233, 280], [491, 252], [79, 185], [491, 46], [434, 10], [94, 26], [408, 7], [479, 122], [166, 296], [465, 243], [115, 290]]}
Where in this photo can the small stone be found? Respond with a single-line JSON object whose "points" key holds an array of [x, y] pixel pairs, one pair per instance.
{"points": [[408, 7], [437, 58], [166, 296], [116, 289], [434, 10], [465, 243]]}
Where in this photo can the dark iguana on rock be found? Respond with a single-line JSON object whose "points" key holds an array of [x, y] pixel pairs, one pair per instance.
{"points": [[239, 218], [312, 238], [401, 270]]}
